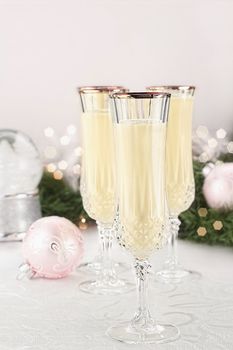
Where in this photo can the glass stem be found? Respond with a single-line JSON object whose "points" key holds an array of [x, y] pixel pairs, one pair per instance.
{"points": [[106, 239], [101, 247], [142, 320], [172, 244]]}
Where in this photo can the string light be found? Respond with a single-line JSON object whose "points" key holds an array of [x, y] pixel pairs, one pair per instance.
{"points": [[203, 158], [212, 143], [202, 132], [78, 151], [230, 147], [208, 147], [82, 223], [221, 133], [71, 129], [82, 226], [201, 231], [64, 140], [58, 175], [202, 212], [218, 225], [62, 165], [49, 132], [51, 167]]}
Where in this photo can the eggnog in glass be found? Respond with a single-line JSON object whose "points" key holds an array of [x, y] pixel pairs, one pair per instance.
{"points": [[179, 172], [98, 183], [140, 132]]}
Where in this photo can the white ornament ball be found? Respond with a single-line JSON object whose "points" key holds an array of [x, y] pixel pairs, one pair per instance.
{"points": [[218, 187]]}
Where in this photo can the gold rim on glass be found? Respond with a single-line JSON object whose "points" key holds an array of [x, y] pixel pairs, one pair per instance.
{"points": [[96, 89], [179, 88], [140, 94]]}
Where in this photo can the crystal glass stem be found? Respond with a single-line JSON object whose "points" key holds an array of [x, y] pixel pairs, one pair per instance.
{"points": [[172, 261], [96, 265], [107, 273], [107, 280], [142, 320], [99, 258], [142, 329], [172, 271]]}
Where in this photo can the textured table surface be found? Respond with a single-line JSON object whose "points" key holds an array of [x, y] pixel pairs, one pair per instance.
{"points": [[54, 315]]}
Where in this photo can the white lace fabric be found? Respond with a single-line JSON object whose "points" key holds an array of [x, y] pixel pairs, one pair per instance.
{"points": [[45, 314]]}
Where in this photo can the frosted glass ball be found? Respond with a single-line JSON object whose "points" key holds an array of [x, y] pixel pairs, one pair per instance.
{"points": [[218, 187], [20, 164]]}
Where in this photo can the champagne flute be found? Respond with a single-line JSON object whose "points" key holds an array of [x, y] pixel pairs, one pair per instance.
{"points": [[140, 129], [98, 182], [179, 172]]}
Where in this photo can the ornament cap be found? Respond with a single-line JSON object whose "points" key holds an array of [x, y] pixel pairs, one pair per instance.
{"points": [[207, 169], [25, 270]]}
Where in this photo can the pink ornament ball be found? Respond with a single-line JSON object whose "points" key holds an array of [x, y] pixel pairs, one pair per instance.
{"points": [[218, 187], [53, 247]]}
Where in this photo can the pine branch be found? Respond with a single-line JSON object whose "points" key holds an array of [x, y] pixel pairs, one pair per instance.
{"points": [[57, 198], [191, 221]]}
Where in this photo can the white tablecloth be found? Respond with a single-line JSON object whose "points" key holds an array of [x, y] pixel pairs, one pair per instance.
{"points": [[54, 315]]}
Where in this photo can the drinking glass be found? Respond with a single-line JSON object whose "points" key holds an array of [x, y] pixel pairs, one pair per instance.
{"points": [[179, 172], [140, 132], [98, 182]]}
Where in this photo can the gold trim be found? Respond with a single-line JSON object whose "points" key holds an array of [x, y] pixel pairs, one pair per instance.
{"points": [[180, 89], [100, 89], [140, 94]]}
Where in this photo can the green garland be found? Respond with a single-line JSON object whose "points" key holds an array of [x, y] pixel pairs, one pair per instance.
{"points": [[191, 221], [57, 198]]}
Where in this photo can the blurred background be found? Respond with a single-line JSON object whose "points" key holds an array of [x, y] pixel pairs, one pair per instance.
{"points": [[48, 47]]}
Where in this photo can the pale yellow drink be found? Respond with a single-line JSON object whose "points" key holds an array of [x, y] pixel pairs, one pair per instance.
{"points": [[179, 165], [141, 184], [98, 166]]}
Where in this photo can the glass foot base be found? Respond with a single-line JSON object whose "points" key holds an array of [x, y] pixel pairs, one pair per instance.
{"points": [[176, 276], [118, 286], [125, 333], [96, 266]]}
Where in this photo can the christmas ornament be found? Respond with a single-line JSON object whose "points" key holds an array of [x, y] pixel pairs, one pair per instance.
{"points": [[20, 173], [52, 248], [218, 187]]}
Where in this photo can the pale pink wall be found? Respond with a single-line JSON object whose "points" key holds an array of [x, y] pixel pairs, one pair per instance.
{"points": [[47, 47]]}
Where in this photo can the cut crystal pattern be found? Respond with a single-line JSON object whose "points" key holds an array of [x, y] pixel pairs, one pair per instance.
{"points": [[142, 238]]}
